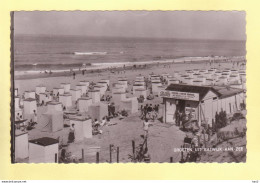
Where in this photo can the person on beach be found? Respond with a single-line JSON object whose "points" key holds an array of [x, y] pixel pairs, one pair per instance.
{"points": [[71, 134], [146, 126], [34, 117], [142, 112], [74, 75], [145, 110]]}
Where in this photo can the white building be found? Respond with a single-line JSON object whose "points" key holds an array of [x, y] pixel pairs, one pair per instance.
{"points": [[43, 150], [202, 101]]}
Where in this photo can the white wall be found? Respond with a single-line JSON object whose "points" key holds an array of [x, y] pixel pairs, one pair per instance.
{"points": [[21, 146]]}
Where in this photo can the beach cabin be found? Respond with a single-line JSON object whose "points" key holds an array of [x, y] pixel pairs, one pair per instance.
{"points": [[201, 102], [173, 81], [136, 86], [188, 81], [43, 150], [40, 89], [51, 121], [29, 107], [86, 83], [54, 106], [243, 77], [17, 102], [98, 110], [66, 87], [21, 145], [57, 91], [130, 105], [123, 82], [118, 97], [118, 89], [83, 104], [139, 78], [106, 80], [45, 97], [95, 95], [66, 100], [16, 92], [83, 128], [140, 91], [120, 85], [139, 83], [29, 94], [75, 93], [155, 88], [104, 84], [102, 89], [83, 88]]}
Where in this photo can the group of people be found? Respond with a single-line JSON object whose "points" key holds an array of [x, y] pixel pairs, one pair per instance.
{"points": [[149, 111]]}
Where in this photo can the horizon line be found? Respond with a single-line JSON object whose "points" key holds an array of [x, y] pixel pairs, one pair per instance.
{"points": [[138, 37]]}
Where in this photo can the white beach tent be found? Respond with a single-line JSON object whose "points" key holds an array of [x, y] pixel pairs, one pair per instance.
{"points": [[140, 91], [58, 90], [17, 102], [118, 89], [103, 83], [136, 86], [29, 94], [40, 89], [155, 86], [105, 80], [51, 121], [43, 150], [98, 110], [66, 100], [83, 128], [118, 97], [45, 97], [21, 145], [130, 104], [54, 106], [16, 92], [120, 85], [84, 82], [82, 87], [66, 87], [124, 82], [101, 88], [29, 107], [76, 94], [95, 95], [84, 103]]}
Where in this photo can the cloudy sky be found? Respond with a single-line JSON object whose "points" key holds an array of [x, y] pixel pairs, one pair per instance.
{"points": [[157, 24]]}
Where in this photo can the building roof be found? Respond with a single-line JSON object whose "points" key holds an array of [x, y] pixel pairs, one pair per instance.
{"points": [[202, 90], [220, 91], [44, 141], [29, 99], [225, 91]]}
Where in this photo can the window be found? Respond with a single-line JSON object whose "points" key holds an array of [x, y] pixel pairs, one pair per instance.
{"points": [[215, 98]]}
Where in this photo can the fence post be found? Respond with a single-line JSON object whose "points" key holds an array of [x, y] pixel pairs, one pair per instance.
{"points": [[82, 153], [110, 153], [117, 154], [133, 147], [97, 157], [56, 158], [205, 143]]}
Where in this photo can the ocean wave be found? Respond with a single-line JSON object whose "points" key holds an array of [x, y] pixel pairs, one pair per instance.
{"points": [[90, 53]]}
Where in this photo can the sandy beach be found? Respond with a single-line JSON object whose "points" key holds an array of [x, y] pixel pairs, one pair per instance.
{"points": [[162, 137]]}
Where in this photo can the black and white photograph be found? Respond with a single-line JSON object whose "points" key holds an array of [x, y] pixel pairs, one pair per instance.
{"points": [[128, 87]]}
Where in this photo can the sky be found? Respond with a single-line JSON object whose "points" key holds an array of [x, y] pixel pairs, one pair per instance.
{"points": [[228, 25]]}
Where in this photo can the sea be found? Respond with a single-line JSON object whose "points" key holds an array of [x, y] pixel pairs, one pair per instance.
{"points": [[45, 52]]}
